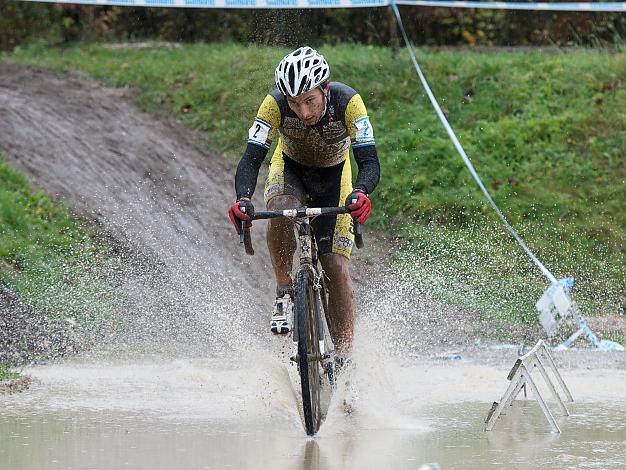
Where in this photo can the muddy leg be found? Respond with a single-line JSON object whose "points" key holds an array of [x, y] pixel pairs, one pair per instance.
{"points": [[281, 240], [341, 301]]}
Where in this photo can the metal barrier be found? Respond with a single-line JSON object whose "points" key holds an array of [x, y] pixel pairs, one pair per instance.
{"points": [[520, 377]]}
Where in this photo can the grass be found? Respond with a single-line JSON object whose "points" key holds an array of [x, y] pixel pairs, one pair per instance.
{"points": [[6, 373], [616, 337], [49, 256], [546, 132]]}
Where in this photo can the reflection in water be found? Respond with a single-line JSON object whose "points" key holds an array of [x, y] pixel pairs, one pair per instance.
{"points": [[311, 455], [521, 432], [107, 440]]}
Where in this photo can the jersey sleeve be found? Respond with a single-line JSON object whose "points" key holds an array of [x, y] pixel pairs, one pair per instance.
{"points": [[265, 123], [363, 145], [358, 123]]}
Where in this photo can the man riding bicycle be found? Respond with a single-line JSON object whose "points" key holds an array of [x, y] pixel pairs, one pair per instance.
{"points": [[317, 122]]}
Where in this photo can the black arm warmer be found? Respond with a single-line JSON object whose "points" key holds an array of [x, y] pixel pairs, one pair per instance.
{"points": [[248, 170], [369, 168]]}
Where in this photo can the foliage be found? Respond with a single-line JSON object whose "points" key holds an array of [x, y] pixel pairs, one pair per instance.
{"points": [[546, 131], [24, 22], [6, 373], [49, 257]]}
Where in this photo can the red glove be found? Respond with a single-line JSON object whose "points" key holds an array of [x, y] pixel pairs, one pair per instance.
{"points": [[241, 211], [359, 205]]}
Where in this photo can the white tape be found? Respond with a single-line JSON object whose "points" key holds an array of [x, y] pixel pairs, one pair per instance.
{"points": [[538, 6], [285, 4]]}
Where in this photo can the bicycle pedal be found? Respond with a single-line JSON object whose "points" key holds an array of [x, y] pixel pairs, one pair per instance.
{"points": [[280, 329]]}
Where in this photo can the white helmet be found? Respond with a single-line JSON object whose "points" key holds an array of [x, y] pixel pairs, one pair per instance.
{"points": [[301, 71]]}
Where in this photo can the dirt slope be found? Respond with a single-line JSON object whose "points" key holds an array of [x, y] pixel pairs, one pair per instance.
{"points": [[147, 182]]}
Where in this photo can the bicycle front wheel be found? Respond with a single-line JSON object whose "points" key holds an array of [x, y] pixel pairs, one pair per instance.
{"points": [[309, 355]]}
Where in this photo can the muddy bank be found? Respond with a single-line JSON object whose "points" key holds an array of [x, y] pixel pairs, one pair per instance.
{"points": [[27, 334], [152, 188], [15, 385]]}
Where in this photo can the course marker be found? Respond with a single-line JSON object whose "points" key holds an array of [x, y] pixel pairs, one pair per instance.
{"points": [[556, 306], [520, 377]]}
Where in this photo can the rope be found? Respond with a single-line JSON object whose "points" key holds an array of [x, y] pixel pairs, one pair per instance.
{"points": [[461, 151]]}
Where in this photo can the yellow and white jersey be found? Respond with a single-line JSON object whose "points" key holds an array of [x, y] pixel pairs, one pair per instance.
{"points": [[325, 144]]}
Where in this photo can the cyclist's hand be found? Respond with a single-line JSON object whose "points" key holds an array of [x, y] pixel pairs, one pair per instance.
{"points": [[241, 211], [359, 205]]}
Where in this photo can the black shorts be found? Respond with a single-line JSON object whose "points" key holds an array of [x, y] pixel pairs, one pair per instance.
{"points": [[316, 187]]}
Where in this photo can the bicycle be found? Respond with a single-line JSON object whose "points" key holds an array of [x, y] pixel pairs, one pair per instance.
{"points": [[314, 354]]}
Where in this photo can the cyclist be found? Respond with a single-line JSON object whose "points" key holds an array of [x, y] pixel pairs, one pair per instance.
{"points": [[317, 122]]}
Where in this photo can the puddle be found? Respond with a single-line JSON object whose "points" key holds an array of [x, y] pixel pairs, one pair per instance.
{"points": [[210, 414]]}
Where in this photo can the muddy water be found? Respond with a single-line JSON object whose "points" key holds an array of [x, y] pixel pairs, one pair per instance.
{"points": [[243, 413]]}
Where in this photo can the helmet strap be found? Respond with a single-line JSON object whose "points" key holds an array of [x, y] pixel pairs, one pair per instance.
{"points": [[325, 89], [326, 92]]}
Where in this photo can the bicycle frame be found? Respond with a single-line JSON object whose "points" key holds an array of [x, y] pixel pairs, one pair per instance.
{"points": [[306, 241]]}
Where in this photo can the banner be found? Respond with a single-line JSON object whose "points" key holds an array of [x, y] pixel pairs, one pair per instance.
{"points": [[540, 6], [252, 4]]}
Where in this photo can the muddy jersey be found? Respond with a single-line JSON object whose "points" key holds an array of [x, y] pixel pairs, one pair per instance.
{"points": [[325, 144]]}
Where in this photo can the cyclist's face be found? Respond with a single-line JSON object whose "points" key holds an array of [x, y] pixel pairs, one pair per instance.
{"points": [[308, 106]]}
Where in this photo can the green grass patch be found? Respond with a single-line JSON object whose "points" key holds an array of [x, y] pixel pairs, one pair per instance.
{"points": [[51, 258], [616, 337], [6, 373], [546, 132]]}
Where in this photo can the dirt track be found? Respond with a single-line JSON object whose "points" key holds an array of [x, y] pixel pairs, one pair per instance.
{"points": [[149, 183], [93, 147]]}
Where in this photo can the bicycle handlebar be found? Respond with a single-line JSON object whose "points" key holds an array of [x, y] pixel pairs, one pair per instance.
{"points": [[299, 212], [244, 234]]}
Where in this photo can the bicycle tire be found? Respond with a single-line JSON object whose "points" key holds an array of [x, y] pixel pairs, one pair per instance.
{"points": [[329, 367], [309, 355]]}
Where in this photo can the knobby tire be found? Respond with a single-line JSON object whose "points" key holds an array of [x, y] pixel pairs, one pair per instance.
{"points": [[307, 320]]}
